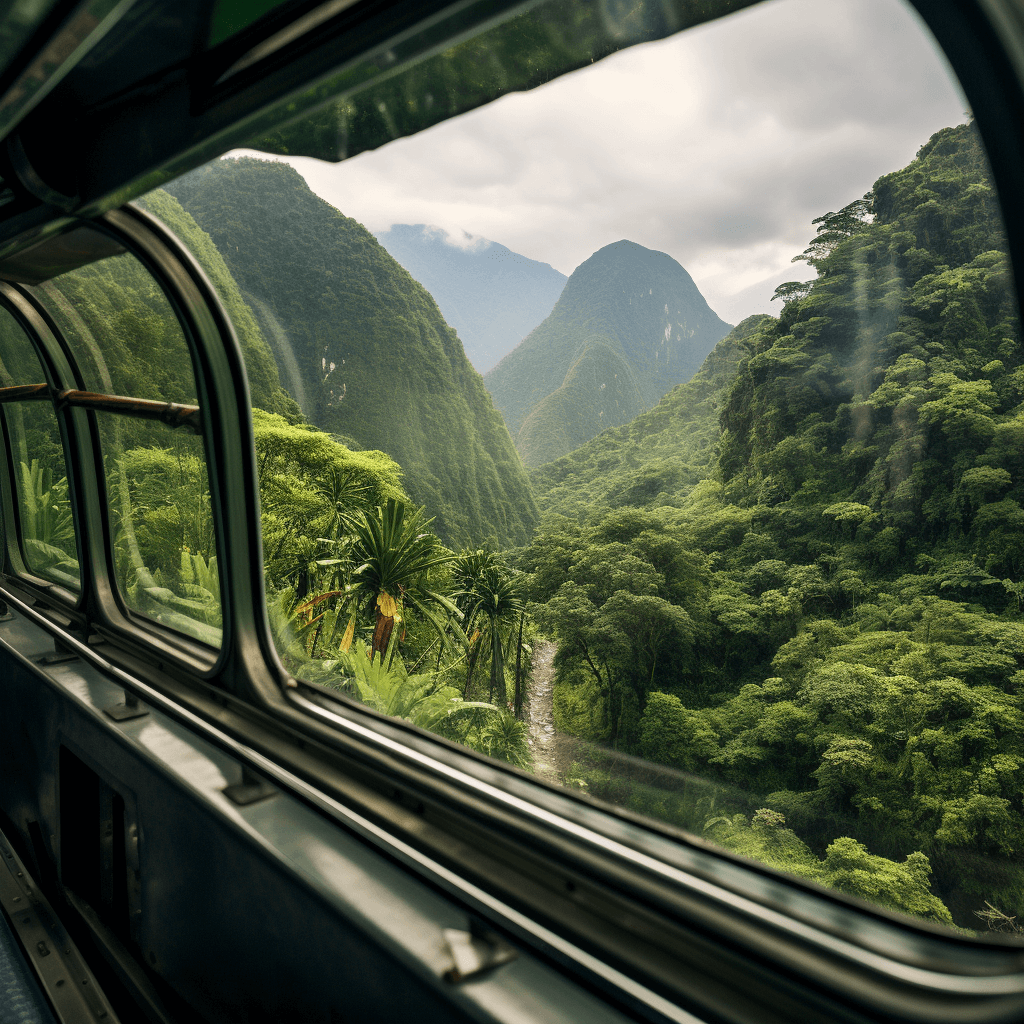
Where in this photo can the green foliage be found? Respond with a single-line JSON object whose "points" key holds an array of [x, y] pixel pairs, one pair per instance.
{"points": [[629, 325], [837, 501], [47, 527], [658, 456], [393, 555], [362, 346], [846, 866], [260, 367]]}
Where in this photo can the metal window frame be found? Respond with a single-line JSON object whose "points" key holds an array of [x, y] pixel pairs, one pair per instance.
{"points": [[794, 941]]}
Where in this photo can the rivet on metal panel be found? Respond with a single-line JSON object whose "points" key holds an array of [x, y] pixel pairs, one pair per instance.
{"points": [[129, 708], [43, 949], [475, 951]]}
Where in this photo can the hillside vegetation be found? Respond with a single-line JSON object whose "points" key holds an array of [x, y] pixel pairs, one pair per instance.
{"points": [[362, 347], [629, 325], [800, 576], [654, 459]]}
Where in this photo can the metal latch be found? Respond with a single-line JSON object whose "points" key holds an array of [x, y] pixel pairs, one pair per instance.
{"points": [[475, 951]]}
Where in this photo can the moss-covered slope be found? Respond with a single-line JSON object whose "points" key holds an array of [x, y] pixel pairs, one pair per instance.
{"points": [[264, 383], [363, 347], [654, 459]]}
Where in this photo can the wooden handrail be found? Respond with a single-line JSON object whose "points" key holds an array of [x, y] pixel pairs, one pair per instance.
{"points": [[171, 413]]}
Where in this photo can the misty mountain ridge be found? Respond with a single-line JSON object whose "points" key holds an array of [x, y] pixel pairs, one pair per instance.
{"points": [[629, 325], [492, 297]]}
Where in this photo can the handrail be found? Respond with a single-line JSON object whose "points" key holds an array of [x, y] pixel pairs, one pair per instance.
{"points": [[173, 414]]}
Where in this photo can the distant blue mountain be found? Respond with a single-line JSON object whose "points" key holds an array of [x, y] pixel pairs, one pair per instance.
{"points": [[493, 297]]}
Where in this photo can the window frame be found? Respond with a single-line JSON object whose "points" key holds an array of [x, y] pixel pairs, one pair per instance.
{"points": [[340, 756], [462, 798], [13, 542]]}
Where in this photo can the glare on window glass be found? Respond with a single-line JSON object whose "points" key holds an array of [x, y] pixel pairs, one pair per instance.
{"points": [[660, 432], [40, 476], [122, 331]]}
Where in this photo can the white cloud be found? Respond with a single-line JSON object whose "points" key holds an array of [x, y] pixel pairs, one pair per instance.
{"points": [[717, 146]]}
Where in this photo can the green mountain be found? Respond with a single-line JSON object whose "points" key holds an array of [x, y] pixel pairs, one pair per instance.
{"points": [[264, 383], [801, 580], [492, 296], [363, 347], [629, 325], [656, 458]]}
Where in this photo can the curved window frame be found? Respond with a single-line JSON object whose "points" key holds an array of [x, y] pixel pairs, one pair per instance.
{"points": [[790, 937], [676, 885], [53, 371], [99, 605]]}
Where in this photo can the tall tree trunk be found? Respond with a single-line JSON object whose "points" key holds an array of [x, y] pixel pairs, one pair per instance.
{"points": [[474, 651], [498, 668], [519, 673]]}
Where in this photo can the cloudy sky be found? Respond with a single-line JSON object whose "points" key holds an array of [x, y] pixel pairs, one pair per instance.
{"points": [[717, 146]]}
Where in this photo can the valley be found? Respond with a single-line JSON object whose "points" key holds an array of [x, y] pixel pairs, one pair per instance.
{"points": [[767, 579]]}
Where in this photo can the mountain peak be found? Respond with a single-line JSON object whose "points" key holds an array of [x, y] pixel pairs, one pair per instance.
{"points": [[629, 325]]}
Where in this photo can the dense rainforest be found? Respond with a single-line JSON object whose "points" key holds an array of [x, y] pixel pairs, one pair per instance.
{"points": [[362, 347], [799, 576], [629, 325], [786, 599]]}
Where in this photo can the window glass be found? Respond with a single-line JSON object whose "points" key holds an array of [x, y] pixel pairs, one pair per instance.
{"points": [[19, 363], [122, 331], [126, 340], [41, 483], [741, 551], [40, 473], [158, 496]]}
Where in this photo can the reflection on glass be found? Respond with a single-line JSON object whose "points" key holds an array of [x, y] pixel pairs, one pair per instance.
{"points": [[122, 330], [19, 363], [158, 494], [777, 604], [41, 482]]}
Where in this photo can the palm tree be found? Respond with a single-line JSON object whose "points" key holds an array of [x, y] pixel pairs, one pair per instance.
{"points": [[393, 554], [498, 596], [342, 496], [506, 739], [298, 565]]}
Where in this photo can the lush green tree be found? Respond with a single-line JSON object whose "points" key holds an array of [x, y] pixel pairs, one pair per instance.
{"points": [[393, 555]]}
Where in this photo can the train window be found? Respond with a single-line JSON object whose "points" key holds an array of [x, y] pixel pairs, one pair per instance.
{"points": [[122, 331], [158, 500], [757, 579], [130, 352], [46, 525]]}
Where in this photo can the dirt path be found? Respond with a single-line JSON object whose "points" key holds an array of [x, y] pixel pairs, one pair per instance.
{"points": [[550, 754]]}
